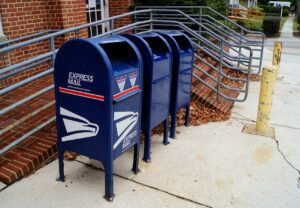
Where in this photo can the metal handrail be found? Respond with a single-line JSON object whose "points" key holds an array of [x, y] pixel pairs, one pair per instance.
{"points": [[73, 29], [201, 7], [215, 51], [214, 47], [241, 37], [9, 42]]}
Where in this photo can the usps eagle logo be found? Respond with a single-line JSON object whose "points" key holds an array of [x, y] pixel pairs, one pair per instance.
{"points": [[77, 127], [125, 123]]}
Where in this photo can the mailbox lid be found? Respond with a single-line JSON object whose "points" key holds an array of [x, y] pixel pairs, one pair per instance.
{"points": [[162, 54], [186, 49], [126, 64]]}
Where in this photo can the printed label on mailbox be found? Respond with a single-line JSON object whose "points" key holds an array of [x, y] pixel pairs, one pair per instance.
{"points": [[132, 77], [126, 123], [77, 127], [121, 82]]}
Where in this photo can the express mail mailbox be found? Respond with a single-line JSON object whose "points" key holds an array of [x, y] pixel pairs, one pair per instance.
{"points": [[98, 101], [183, 59], [157, 59]]}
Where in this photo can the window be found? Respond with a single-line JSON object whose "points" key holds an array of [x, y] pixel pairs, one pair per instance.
{"points": [[96, 10], [1, 28]]}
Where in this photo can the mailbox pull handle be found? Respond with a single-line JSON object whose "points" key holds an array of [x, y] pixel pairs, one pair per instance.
{"points": [[161, 79], [127, 96], [185, 71]]}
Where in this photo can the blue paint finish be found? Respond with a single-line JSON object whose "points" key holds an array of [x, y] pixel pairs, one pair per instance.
{"points": [[98, 84], [157, 58], [183, 58]]}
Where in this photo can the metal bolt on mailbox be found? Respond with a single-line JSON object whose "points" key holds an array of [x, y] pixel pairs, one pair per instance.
{"points": [[183, 59], [98, 86], [157, 59]]}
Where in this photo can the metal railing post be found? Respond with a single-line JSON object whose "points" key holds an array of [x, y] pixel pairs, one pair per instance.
{"points": [[151, 23], [111, 26], [52, 48], [240, 49], [200, 21], [220, 71]]}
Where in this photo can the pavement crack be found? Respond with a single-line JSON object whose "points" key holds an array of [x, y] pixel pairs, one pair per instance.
{"points": [[151, 187], [287, 161]]}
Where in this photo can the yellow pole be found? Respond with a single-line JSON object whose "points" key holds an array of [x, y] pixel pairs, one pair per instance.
{"points": [[268, 79], [277, 56], [262, 126], [265, 100]]}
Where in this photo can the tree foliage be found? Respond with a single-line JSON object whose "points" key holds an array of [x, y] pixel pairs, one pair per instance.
{"points": [[218, 5], [171, 2]]}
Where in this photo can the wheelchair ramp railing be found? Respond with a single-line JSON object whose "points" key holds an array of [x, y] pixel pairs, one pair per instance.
{"points": [[213, 21], [29, 102]]}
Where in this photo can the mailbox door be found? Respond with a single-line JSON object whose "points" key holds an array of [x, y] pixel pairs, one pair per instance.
{"points": [[161, 77], [160, 101], [126, 89]]}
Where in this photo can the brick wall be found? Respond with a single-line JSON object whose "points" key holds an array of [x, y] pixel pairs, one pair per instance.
{"points": [[117, 7], [23, 17]]}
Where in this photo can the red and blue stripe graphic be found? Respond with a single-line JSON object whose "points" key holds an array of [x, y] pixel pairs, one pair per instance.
{"points": [[81, 94]]}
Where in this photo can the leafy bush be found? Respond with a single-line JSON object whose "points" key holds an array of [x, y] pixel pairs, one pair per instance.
{"points": [[218, 5], [257, 9], [271, 9], [275, 11], [170, 3], [250, 25], [298, 15], [271, 26], [286, 11]]}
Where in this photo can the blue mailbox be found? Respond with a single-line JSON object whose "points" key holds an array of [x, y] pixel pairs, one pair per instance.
{"points": [[183, 59], [157, 59], [98, 86]]}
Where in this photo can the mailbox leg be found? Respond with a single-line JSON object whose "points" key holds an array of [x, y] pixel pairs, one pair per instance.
{"points": [[166, 130], [173, 125], [187, 115], [147, 147], [136, 157], [109, 183], [61, 176]]}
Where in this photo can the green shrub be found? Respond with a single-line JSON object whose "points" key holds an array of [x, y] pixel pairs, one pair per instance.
{"points": [[257, 9], [170, 3], [271, 9], [285, 11], [250, 25], [271, 26], [298, 16]]}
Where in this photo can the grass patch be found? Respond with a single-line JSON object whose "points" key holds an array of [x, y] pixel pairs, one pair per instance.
{"points": [[296, 26], [252, 25], [244, 3], [296, 29]]}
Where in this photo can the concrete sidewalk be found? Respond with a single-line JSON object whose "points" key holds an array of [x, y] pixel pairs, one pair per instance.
{"points": [[213, 165]]}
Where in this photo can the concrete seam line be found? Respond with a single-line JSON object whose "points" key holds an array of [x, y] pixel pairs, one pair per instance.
{"points": [[273, 124], [151, 187]]}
